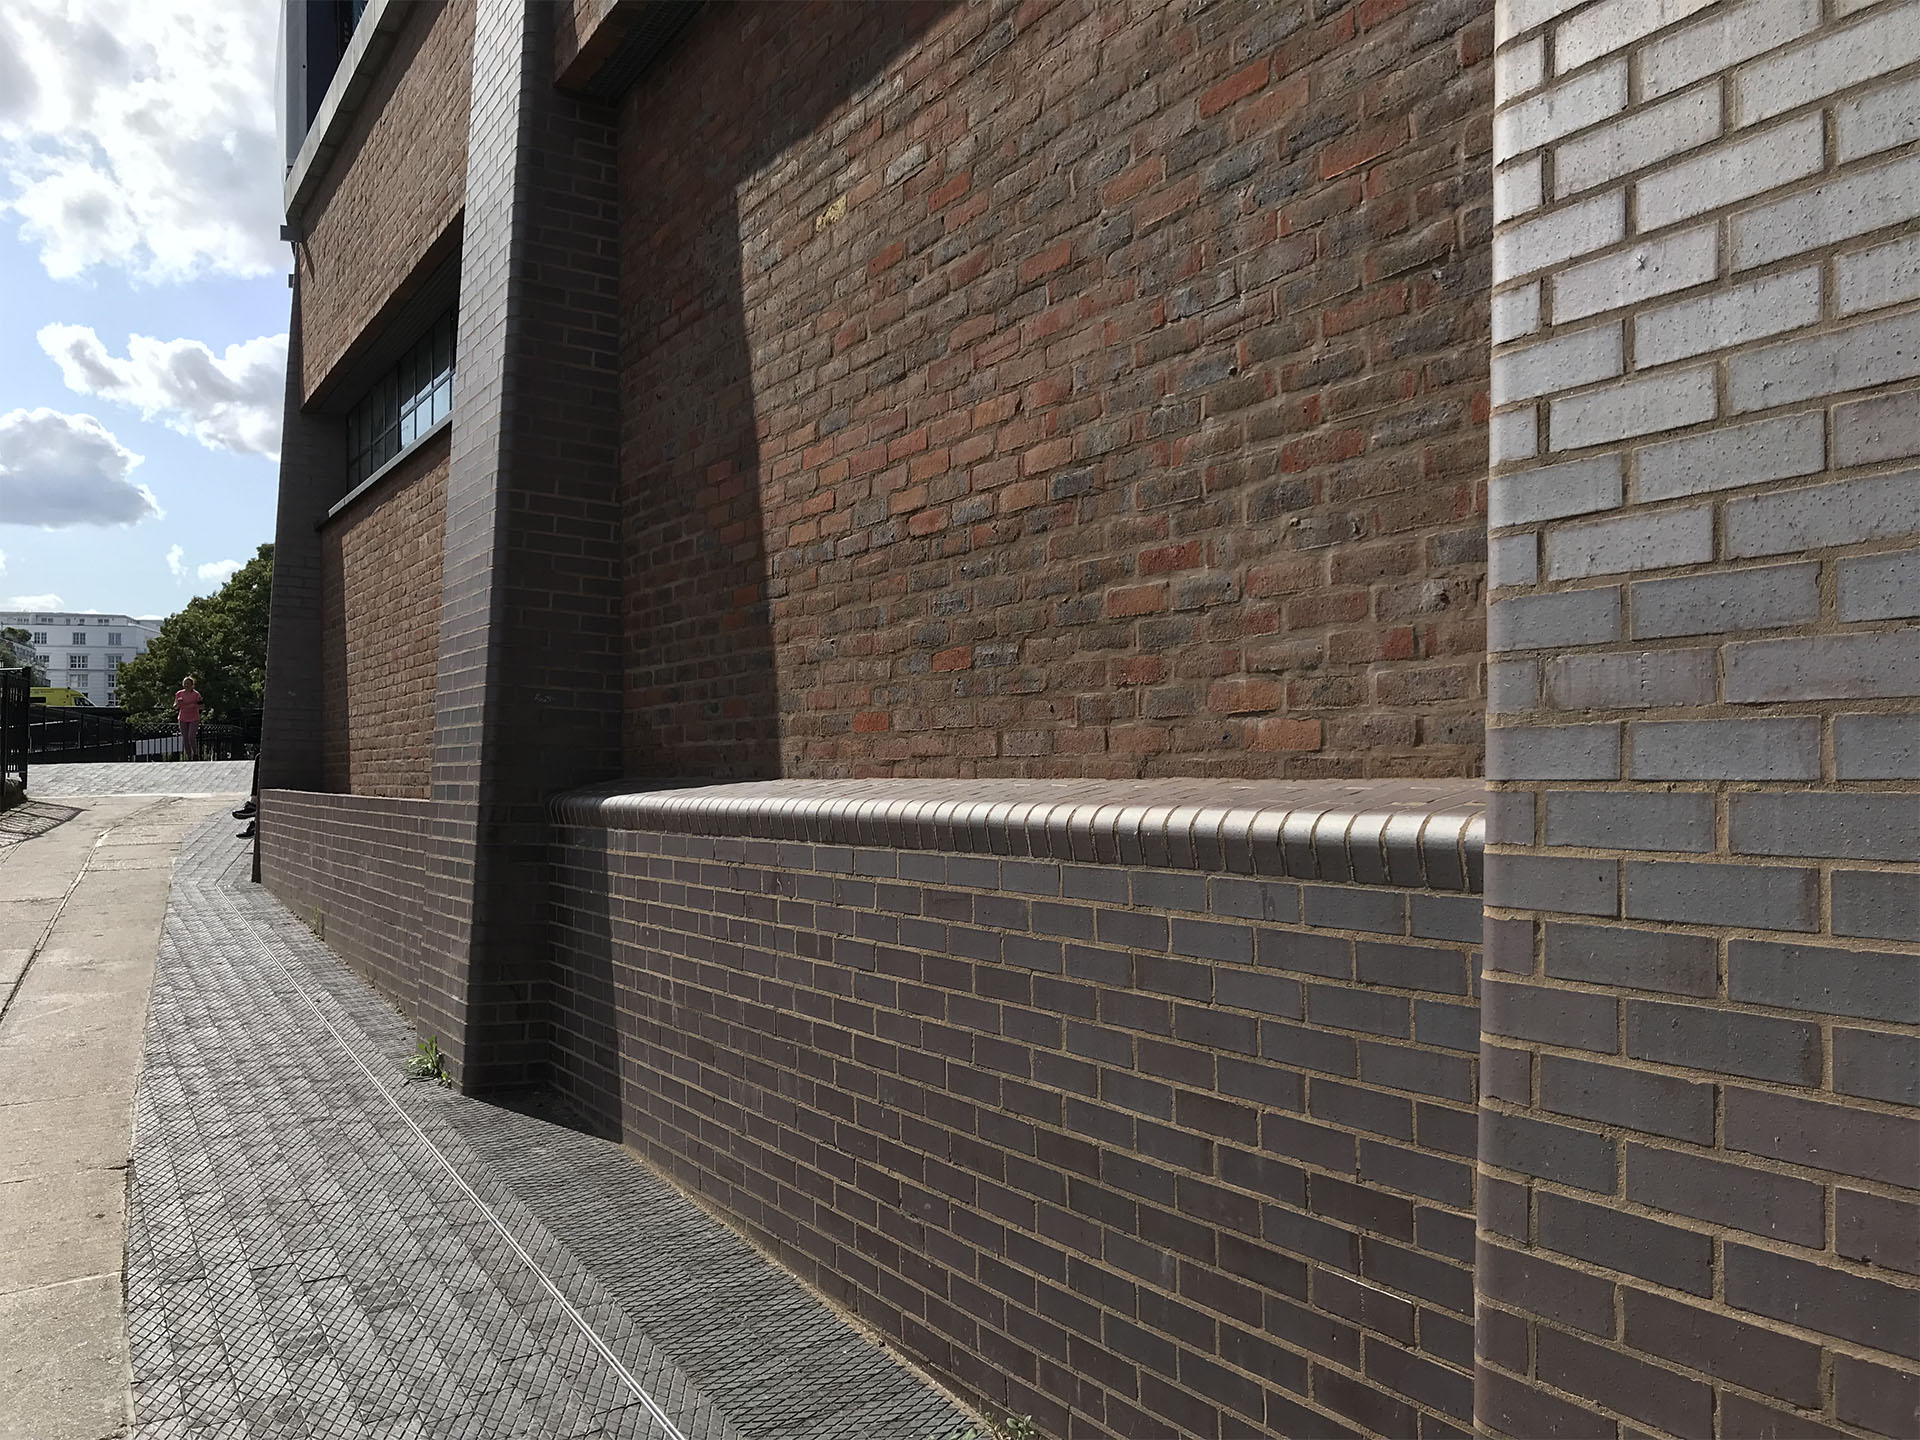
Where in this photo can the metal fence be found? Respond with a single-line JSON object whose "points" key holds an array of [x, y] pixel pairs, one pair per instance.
{"points": [[58, 733], [16, 704]]}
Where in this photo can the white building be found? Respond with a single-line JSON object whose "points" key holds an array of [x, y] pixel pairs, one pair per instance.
{"points": [[84, 651]]}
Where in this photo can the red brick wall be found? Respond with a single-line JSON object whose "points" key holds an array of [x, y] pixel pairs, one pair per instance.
{"points": [[1075, 390], [380, 629], [396, 185]]}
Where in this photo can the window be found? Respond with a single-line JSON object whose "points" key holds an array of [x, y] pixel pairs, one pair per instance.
{"points": [[39, 637], [79, 637], [403, 404], [76, 662], [113, 638]]}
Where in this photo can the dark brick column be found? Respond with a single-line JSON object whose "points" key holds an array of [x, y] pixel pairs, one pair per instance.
{"points": [[528, 698], [312, 470]]}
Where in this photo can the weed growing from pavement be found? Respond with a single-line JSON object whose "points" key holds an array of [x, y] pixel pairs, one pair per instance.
{"points": [[1014, 1427], [428, 1062]]}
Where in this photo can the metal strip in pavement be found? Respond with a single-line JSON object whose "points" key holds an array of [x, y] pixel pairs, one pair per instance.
{"points": [[606, 1352]]}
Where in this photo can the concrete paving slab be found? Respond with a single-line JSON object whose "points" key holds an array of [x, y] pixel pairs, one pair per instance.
{"points": [[177, 777], [61, 1227], [63, 1362], [54, 1137], [86, 901]]}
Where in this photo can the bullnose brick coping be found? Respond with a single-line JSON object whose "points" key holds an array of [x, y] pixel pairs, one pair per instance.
{"points": [[1422, 834]]}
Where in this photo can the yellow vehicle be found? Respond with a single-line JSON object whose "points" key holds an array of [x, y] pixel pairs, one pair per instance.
{"points": [[60, 695]]}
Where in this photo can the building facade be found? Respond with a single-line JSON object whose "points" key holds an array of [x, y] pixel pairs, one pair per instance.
{"points": [[84, 651], [1216, 705]]}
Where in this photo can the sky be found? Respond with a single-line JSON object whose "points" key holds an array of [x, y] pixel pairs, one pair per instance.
{"points": [[143, 299]]}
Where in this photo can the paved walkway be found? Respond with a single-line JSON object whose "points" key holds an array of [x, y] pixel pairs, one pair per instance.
{"points": [[191, 778], [318, 1247], [83, 889]]}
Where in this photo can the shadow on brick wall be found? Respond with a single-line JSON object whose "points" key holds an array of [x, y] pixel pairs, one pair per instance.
{"points": [[702, 693]]}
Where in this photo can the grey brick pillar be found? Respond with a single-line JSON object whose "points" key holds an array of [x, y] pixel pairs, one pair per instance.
{"points": [[312, 474], [528, 695], [1699, 1150]]}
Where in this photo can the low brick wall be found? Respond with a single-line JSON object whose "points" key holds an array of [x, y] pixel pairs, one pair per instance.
{"points": [[354, 868], [1139, 1118]]}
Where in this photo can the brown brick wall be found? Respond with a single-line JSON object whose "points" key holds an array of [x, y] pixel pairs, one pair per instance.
{"points": [[380, 630], [398, 182], [1138, 1152], [1076, 390], [352, 868]]}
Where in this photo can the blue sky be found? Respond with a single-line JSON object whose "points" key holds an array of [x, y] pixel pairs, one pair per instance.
{"points": [[139, 182]]}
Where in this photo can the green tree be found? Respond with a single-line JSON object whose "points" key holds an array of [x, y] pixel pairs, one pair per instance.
{"points": [[219, 639], [16, 650]]}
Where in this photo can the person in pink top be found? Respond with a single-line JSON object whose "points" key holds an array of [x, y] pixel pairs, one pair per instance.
{"points": [[186, 704]]}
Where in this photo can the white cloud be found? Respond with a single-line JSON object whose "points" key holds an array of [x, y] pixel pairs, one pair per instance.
{"points": [[231, 402], [58, 470], [177, 562], [34, 602], [218, 571], [141, 136], [3, 562]]}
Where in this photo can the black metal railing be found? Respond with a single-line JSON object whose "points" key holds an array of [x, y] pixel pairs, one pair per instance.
{"points": [[59, 733], [16, 704]]}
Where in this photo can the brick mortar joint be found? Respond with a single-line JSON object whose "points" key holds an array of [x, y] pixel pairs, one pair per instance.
{"points": [[1380, 833]]}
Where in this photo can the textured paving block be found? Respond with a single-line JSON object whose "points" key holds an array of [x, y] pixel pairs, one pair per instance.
{"points": [[425, 1294]]}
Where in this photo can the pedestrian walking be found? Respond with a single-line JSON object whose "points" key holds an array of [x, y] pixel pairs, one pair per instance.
{"points": [[186, 705]]}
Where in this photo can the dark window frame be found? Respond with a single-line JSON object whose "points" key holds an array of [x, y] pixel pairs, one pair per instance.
{"points": [[405, 403]]}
